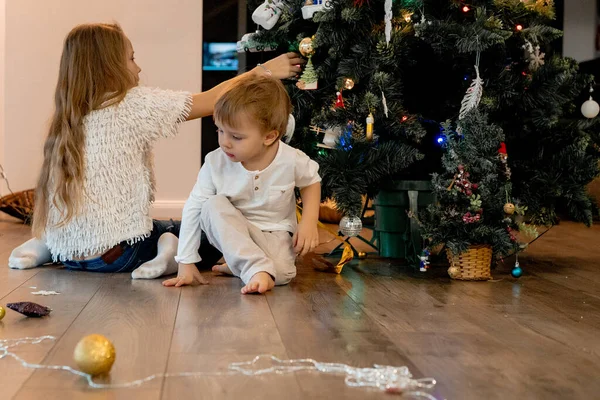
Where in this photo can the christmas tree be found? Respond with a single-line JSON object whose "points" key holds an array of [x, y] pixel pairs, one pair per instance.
{"points": [[407, 64], [474, 204]]}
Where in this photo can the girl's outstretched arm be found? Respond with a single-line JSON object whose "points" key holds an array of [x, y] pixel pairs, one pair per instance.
{"points": [[282, 67]]}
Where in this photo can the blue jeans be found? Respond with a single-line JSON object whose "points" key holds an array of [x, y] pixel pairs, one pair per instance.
{"points": [[138, 253]]}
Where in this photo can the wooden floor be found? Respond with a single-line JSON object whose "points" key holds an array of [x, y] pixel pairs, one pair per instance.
{"points": [[533, 338]]}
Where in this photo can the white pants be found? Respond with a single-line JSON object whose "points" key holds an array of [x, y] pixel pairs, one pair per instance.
{"points": [[246, 249]]}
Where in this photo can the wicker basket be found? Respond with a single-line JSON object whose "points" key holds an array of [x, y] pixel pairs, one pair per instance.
{"points": [[472, 265], [19, 205]]}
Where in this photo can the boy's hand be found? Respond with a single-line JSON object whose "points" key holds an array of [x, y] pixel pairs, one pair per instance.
{"points": [[306, 238], [187, 275]]}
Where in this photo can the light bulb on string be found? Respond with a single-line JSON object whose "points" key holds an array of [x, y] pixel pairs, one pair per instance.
{"points": [[348, 83], [519, 27], [466, 9]]}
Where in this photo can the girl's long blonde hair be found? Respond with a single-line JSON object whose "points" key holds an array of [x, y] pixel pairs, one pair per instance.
{"points": [[93, 74]]}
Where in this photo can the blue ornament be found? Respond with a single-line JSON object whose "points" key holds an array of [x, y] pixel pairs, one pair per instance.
{"points": [[345, 140], [516, 271], [424, 260]]}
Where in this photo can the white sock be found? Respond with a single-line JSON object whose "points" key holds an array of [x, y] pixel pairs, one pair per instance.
{"points": [[30, 254], [164, 263]]}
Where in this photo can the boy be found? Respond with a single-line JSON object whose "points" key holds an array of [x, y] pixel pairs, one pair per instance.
{"points": [[244, 197]]}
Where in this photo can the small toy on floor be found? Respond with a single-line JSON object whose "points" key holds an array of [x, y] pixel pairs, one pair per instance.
{"points": [[30, 309]]}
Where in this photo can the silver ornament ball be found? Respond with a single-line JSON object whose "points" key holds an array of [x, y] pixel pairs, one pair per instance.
{"points": [[590, 108], [350, 226]]}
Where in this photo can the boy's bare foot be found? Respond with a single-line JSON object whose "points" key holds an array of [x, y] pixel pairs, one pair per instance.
{"points": [[222, 268], [188, 274], [259, 283]]}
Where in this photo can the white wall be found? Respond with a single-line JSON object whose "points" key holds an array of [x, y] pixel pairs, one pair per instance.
{"points": [[167, 39], [579, 40], [3, 189]]}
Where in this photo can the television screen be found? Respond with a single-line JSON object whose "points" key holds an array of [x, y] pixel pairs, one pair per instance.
{"points": [[220, 57]]}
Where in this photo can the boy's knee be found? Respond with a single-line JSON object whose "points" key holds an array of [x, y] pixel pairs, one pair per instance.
{"points": [[285, 277], [215, 203], [215, 206]]}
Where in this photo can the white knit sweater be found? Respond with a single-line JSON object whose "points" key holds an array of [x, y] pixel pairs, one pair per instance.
{"points": [[119, 176]]}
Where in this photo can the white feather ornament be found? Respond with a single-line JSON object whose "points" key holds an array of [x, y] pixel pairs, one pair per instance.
{"points": [[472, 96]]}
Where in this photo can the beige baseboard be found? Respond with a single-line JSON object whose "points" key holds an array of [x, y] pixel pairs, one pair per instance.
{"points": [[165, 209]]}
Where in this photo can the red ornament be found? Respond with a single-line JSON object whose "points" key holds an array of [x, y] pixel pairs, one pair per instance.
{"points": [[339, 102], [469, 218], [502, 149], [511, 234], [360, 3]]}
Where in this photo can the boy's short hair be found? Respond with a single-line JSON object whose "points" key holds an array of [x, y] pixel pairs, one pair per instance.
{"points": [[264, 100]]}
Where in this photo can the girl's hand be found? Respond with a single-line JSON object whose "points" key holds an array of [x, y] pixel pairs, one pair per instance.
{"points": [[284, 66]]}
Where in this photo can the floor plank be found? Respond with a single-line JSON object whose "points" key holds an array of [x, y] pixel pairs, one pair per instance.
{"points": [[137, 316], [535, 337], [317, 321], [14, 325], [217, 326]]}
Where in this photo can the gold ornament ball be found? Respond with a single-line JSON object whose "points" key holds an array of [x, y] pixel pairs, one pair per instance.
{"points": [[348, 83], [509, 208], [2, 312], [306, 47], [94, 355], [453, 272]]}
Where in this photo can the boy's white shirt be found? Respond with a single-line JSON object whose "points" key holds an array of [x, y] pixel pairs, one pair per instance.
{"points": [[265, 198]]}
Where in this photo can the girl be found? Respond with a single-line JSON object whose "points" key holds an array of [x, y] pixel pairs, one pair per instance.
{"points": [[96, 186]]}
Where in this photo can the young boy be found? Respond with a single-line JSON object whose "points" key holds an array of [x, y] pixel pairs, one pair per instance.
{"points": [[244, 198]]}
